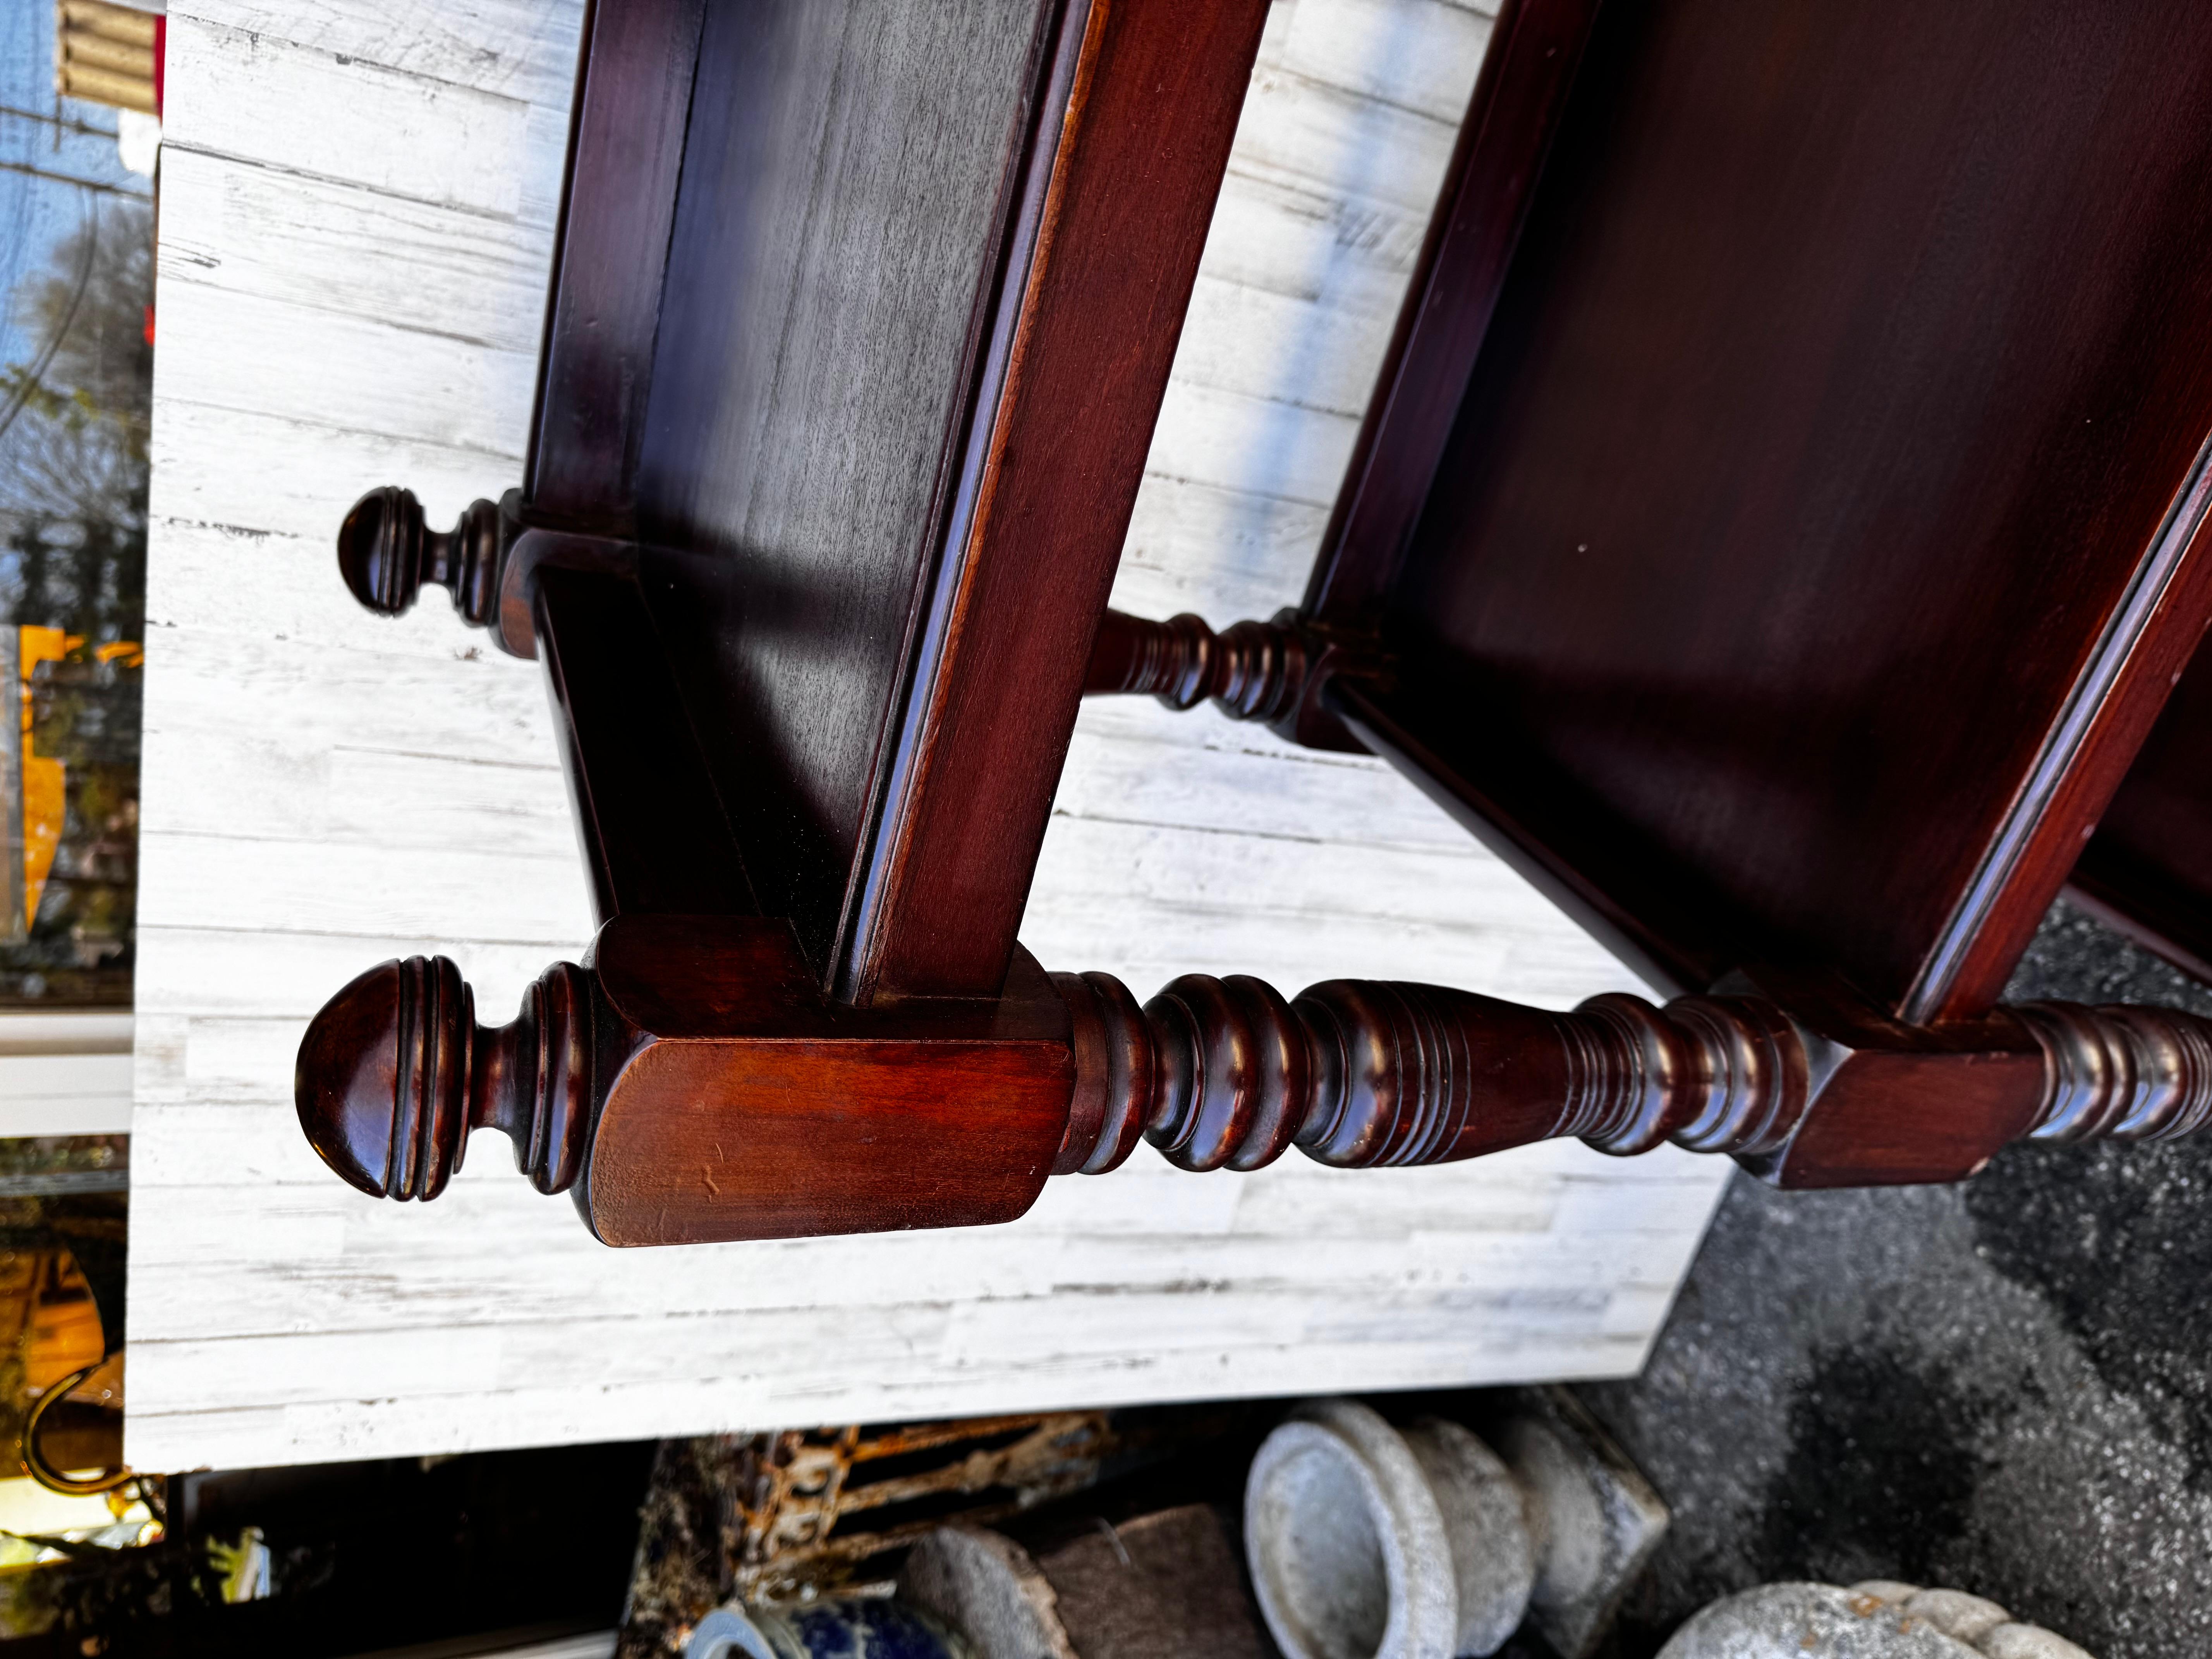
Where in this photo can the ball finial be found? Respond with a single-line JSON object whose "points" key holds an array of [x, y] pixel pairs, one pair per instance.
{"points": [[385, 553], [382, 1083], [394, 1073]]}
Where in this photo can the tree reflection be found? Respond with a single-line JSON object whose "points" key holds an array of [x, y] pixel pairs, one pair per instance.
{"points": [[74, 425]]}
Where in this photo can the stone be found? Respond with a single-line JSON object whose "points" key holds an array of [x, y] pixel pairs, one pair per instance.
{"points": [[1485, 1518], [1884, 1589], [1346, 1541], [2028, 1642], [1877, 1618], [1954, 1612], [1163, 1586], [1810, 1621], [985, 1586], [1597, 1517], [1370, 1542]]}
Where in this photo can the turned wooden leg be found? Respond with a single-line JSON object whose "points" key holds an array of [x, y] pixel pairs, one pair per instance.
{"points": [[1253, 671], [691, 1082], [1225, 1073], [1271, 671]]}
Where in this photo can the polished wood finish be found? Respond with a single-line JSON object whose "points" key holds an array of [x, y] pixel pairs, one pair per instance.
{"points": [[1277, 671], [1776, 531], [693, 1083], [1818, 534], [626, 147], [1081, 352], [744, 1103], [865, 554], [852, 188], [885, 648], [395, 1072], [653, 831], [1534, 51], [386, 553], [1253, 671], [1224, 1074]]}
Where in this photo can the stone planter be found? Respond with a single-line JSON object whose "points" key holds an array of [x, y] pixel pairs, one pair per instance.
{"points": [[1370, 1542]]}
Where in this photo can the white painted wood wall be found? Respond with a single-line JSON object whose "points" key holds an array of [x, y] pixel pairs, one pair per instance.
{"points": [[358, 196]]}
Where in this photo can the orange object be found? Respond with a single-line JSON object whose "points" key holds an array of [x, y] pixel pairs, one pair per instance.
{"points": [[45, 782]]}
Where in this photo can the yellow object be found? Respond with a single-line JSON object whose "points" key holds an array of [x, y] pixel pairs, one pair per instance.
{"points": [[45, 785], [104, 53]]}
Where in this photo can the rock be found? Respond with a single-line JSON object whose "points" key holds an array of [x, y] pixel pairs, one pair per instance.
{"points": [[1954, 1612], [1879, 1619], [1810, 1621], [1883, 1589], [1487, 1524], [2028, 1642]]}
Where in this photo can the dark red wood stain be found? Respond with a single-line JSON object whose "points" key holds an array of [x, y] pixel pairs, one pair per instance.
{"points": [[1816, 471]]}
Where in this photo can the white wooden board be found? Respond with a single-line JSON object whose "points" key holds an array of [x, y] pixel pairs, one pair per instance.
{"points": [[355, 231]]}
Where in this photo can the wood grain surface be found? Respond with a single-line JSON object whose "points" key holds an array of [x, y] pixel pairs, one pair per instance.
{"points": [[839, 218], [324, 789], [1820, 534]]}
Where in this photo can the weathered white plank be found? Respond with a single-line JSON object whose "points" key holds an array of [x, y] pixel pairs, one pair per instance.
{"points": [[463, 704], [1194, 544], [362, 192], [298, 887], [393, 377], [344, 795], [186, 972], [1260, 446], [873, 1385], [1367, 151], [259, 100], [1420, 56], [267, 236], [522, 49], [1141, 763], [255, 475]]}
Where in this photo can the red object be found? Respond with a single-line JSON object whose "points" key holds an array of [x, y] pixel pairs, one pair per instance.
{"points": [[161, 58], [149, 324]]}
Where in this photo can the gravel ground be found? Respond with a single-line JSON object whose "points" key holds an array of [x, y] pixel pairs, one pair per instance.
{"points": [[2002, 1386]]}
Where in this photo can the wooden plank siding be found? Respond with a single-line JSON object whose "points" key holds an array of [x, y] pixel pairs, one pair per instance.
{"points": [[358, 207]]}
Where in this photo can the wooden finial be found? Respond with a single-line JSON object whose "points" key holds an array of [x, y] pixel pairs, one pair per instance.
{"points": [[1225, 1073], [386, 555], [395, 1072]]}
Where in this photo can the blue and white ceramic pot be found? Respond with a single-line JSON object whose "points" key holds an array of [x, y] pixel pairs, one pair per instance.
{"points": [[858, 1627]]}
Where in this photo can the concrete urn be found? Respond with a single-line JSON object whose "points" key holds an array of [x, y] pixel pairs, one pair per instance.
{"points": [[1367, 1541]]}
